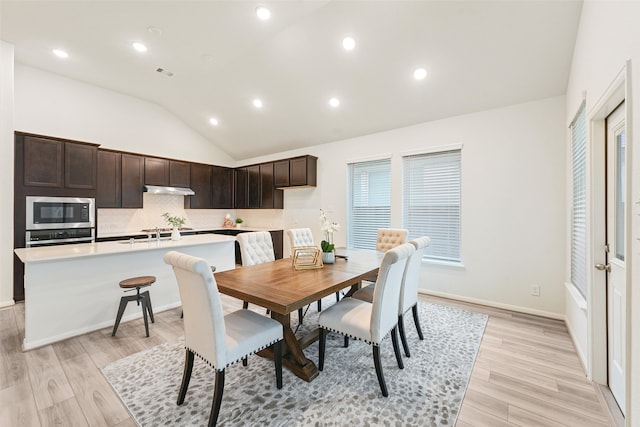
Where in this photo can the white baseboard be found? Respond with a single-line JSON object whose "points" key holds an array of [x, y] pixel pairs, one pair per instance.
{"points": [[494, 304], [7, 303]]}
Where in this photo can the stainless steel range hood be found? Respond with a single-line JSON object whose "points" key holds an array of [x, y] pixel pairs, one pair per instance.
{"points": [[176, 191]]}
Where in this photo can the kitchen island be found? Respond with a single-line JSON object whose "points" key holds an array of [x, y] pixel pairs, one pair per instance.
{"points": [[73, 289]]}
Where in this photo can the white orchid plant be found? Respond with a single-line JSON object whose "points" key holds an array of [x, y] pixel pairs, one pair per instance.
{"points": [[328, 228]]}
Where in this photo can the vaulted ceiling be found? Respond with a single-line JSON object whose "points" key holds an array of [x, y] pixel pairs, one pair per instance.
{"points": [[478, 55]]}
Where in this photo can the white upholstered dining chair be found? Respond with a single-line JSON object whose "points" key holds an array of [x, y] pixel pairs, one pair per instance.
{"points": [[408, 292], [257, 248], [217, 339], [371, 322], [304, 237], [389, 238]]}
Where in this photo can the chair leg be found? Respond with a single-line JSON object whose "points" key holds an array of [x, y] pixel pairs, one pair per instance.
{"points": [[277, 350], [217, 398], [319, 305], [123, 305], [403, 336], [396, 347], [322, 340], [416, 320], [245, 305], [300, 316], [338, 296], [147, 296], [186, 376], [144, 314], [245, 361], [346, 341], [376, 361]]}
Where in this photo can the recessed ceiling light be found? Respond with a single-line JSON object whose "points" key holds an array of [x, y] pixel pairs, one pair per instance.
{"points": [[213, 121], [263, 13], [348, 43], [419, 74], [257, 103], [139, 46], [334, 102], [60, 53]]}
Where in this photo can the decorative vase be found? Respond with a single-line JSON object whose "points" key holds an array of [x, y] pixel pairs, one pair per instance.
{"points": [[328, 257], [175, 234], [238, 225]]}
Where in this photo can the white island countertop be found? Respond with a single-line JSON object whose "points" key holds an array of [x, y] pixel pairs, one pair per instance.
{"points": [[61, 252]]}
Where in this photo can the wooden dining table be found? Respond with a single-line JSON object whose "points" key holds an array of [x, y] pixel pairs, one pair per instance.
{"points": [[282, 289]]}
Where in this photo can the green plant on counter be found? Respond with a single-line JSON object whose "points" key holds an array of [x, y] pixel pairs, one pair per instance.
{"points": [[175, 221], [239, 220]]}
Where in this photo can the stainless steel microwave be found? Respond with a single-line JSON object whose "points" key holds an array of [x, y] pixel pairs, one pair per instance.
{"points": [[59, 212]]}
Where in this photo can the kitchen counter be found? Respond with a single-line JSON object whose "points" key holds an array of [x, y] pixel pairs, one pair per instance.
{"points": [[141, 234], [73, 289]]}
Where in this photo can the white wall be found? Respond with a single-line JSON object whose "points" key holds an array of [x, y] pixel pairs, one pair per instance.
{"points": [[6, 176], [513, 203], [49, 104], [608, 36]]}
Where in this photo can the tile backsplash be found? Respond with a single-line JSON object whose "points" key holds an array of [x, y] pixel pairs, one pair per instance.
{"points": [[111, 221]]}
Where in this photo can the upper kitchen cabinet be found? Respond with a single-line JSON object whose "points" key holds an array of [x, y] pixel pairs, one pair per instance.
{"points": [[241, 189], [132, 180], [201, 185], [109, 194], [270, 197], [179, 174], [296, 172], [156, 171], [222, 187], [58, 164], [253, 184]]}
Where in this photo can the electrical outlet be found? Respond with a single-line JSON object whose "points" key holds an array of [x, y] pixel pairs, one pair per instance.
{"points": [[535, 290]]}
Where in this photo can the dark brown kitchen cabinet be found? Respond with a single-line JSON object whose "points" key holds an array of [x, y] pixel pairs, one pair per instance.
{"points": [[241, 188], [270, 197], [179, 174], [58, 164], [201, 185], [109, 194], [156, 171], [253, 184], [132, 180], [296, 172], [222, 187]]}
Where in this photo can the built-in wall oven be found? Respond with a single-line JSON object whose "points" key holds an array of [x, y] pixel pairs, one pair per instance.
{"points": [[59, 220]]}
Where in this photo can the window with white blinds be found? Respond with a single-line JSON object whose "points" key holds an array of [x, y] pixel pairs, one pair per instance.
{"points": [[579, 202], [432, 200], [369, 202]]}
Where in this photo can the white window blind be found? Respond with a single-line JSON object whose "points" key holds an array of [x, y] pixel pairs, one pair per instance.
{"points": [[579, 204], [431, 202], [369, 202]]}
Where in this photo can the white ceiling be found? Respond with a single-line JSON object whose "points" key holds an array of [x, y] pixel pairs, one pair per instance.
{"points": [[479, 55]]}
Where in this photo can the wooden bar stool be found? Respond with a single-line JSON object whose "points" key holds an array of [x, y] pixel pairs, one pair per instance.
{"points": [[144, 298]]}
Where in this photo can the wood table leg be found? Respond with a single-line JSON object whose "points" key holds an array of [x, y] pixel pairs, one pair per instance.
{"points": [[293, 357]]}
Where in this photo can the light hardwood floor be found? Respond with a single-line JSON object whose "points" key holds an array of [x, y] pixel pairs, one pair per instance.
{"points": [[527, 373]]}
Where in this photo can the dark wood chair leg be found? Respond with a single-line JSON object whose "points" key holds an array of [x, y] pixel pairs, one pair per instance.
{"points": [[144, 314], [245, 361], [376, 361], [186, 376], [403, 336], [217, 398], [245, 305], [416, 320], [322, 340], [346, 341], [123, 305], [319, 305], [396, 347], [338, 296], [300, 316], [277, 350]]}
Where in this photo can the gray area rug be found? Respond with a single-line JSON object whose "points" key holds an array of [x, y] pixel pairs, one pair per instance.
{"points": [[427, 392]]}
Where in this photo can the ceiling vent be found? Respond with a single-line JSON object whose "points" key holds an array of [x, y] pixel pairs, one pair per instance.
{"points": [[164, 72]]}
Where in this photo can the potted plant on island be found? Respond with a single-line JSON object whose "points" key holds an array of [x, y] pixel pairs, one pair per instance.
{"points": [[239, 222], [327, 245], [176, 222]]}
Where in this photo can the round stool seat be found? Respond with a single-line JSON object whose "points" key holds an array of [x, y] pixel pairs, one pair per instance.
{"points": [[135, 282]]}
